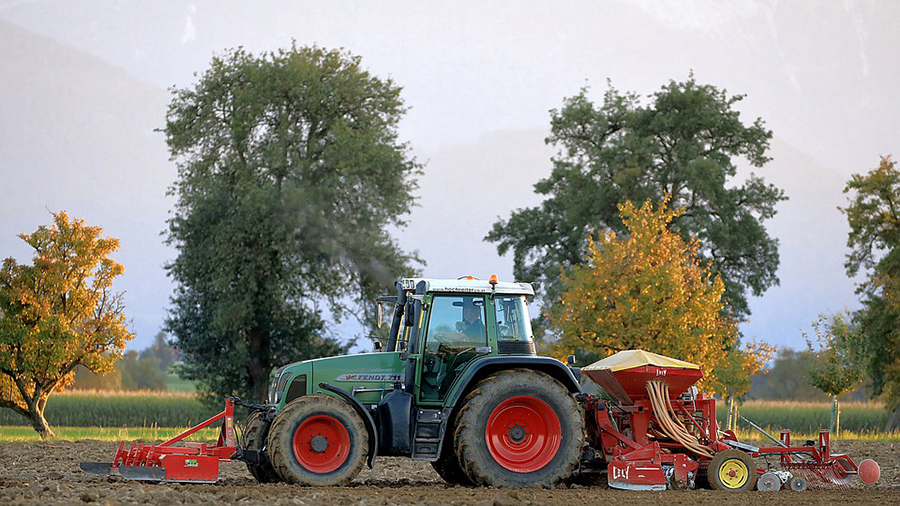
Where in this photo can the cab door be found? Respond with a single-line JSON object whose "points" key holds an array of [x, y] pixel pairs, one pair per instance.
{"points": [[455, 333]]}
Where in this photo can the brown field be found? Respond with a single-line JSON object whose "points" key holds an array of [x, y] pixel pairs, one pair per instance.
{"points": [[48, 473]]}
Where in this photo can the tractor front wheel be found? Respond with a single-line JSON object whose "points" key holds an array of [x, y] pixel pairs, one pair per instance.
{"points": [[254, 438], [519, 428], [732, 470], [318, 440]]}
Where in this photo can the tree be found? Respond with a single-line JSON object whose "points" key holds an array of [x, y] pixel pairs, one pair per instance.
{"points": [[839, 363], [733, 374], [160, 351], [140, 373], [648, 290], [84, 379], [788, 378], [683, 144], [57, 314], [290, 175], [874, 242]]}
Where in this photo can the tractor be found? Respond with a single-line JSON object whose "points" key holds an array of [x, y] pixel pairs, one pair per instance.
{"points": [[457, 383]]}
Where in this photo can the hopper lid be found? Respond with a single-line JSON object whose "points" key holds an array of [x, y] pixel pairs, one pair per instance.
{"points": [[637, 358]]}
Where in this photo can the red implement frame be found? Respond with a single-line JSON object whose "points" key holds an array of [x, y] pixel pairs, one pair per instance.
{"points": [[640, 457], [191, 463]]}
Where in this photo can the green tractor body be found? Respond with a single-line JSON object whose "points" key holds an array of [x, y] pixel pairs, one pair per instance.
{"points": [[444, 338]]}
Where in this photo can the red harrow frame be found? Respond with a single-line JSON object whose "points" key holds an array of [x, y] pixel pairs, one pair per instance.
{"points": [[191, 463]]}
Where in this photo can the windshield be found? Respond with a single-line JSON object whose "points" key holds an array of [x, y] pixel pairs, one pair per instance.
{"points": [[513, 321]]}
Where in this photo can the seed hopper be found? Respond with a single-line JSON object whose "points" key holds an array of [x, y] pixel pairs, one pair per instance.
{"points": [[654, 431]]}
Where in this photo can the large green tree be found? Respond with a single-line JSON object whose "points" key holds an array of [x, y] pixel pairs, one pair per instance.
{"points": [[56, 314], [290, 175], [873, 214], [684, 143]]}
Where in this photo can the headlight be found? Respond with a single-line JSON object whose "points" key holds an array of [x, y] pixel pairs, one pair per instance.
{"points": [[273, 387], [278, 389]]}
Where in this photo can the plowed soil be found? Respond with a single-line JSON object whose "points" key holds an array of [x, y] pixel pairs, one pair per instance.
{"points": [[48, 473]]}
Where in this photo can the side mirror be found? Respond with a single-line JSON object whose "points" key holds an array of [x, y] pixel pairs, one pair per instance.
{"points": [[377, 345], [410, 314], [570, 360]]}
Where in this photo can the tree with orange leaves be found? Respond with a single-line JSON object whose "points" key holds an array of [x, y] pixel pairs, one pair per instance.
{"points": [[648, 290], [57, 314]]}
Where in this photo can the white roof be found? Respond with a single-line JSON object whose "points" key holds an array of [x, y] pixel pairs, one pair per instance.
{"points": [[467, 286]]}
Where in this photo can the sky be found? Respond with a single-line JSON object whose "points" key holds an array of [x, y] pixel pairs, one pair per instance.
{"points": [[84, 85]]}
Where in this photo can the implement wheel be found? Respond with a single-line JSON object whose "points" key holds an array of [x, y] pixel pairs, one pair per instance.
{"points": [[254, 438], [318, 440], [732, 470], [519, 428]]}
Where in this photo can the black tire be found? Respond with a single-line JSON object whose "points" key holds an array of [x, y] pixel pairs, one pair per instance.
{"points": [[493, 396], [448, 468], [254, 438], [736, 461], [305, 425]]}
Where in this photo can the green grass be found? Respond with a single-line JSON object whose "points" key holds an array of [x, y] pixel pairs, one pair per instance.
{"points": [[21, 433], [176, 384], [100, 415], [120, 409], [808, 417]]}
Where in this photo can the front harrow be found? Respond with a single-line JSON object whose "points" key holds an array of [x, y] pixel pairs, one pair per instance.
{"points": [[190, 463]]}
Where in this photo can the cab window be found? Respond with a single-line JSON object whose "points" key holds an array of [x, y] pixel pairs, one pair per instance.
{"points": [[455, 330], [513, 320]]}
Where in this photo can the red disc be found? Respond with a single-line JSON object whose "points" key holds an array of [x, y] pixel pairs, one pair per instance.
{"points": [[321, 443], [869, 471], [523, 434]]}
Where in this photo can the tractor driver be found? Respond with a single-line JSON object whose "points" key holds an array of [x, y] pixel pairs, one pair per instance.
{"points": [[471, 325]]}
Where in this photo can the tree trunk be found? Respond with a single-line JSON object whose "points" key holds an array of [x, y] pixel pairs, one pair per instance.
{"points": [[893, 423], [36, 415], [837, 421], [729, 420], [258, 365], [834, 407]]}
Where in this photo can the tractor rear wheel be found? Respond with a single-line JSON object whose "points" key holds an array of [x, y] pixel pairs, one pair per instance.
{"points": [[519, 428], [318, 440], [732, 470], [254, 438]]}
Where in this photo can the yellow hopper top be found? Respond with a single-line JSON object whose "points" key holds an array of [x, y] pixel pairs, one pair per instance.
{"points": [[637, 358], [625, 374]]}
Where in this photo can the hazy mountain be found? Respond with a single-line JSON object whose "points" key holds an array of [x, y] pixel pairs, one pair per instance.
{"points": [[79, 102], [76, 134], [822, 73]]}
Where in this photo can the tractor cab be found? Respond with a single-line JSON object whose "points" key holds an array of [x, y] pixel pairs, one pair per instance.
{"points": [[442, 325]]}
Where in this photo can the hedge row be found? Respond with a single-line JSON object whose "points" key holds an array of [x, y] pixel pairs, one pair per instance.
{"points": [[106, 409], [809, 417]]}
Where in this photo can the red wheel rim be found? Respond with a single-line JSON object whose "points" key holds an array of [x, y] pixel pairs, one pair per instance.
{"points": [[523, 434], [321, 443]]}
